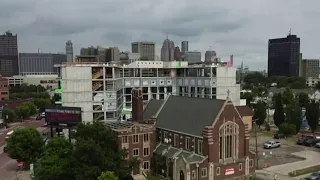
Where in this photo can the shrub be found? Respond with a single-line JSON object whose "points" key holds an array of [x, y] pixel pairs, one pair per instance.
{"points": [[287, 129], [267, 126]]}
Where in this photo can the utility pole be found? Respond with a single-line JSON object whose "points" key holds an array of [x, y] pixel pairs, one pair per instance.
{"points": [[256, 138]]}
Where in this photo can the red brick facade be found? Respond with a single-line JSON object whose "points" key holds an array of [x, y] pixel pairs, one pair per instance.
{"points": [[240, 166], [4, 89]]}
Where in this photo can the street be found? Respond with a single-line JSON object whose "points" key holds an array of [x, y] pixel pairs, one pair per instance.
{"points": [[8, 166]]}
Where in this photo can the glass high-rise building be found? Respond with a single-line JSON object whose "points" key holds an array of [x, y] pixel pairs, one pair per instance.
{"points": [[283, 56]]}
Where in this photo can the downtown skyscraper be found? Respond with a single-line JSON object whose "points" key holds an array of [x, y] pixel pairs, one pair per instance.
{"points": [[9, 54], [167, 50]]}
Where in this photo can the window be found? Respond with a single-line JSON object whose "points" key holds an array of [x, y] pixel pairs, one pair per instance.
{"points": [[145, 137], [228, 140], [165, 135], [124, 139], [188, 143], [4, 92], [218, 171], [251, 163], [176, 140], [240, 166], [146, 165], [204, 172], [135, 138], [193, 175], [146, 151], [136, 152], [200, 146]]}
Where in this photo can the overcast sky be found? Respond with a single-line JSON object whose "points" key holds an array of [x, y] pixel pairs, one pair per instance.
{"points": [[239, 27]]}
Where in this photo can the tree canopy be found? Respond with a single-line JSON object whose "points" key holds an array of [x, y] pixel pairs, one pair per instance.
{"points": [[25, 145], [95, 150], [108, 176], [57, 162], [255, 79], [278, 115], [260, 113], [24, 88], [303, 99], [312, 115], [294, 114], [287, 96]]}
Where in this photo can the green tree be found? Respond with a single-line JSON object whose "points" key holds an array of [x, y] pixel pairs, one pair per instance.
{"points": [[57, 162], [287, 129], [248, 97], [256, 79], [108, 176], [25, 145], [42, 103], [97, 151], [247, 86], [260, 113], [303, 99], [26, 110], [8, 115], [312, 115], [278, 115], [287, 96], [260, 91], [294, 114]]}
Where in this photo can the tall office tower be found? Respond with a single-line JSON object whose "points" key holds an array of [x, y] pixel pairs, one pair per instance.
{"points": [[283, 56], [69, 51], [167, 50], [184, 46], [310, 68], [210, 56], [147, 50], [112, 54], [9, 55], [177, 54]]}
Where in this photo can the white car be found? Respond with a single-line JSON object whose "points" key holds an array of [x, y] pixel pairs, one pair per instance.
{"points": [[271, 144], [317, 145]]}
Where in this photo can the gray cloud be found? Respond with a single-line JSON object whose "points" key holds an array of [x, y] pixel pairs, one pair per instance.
{"points": [[241, 28]]}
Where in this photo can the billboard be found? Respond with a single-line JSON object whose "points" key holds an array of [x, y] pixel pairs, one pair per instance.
{"points": [[63, 115]]}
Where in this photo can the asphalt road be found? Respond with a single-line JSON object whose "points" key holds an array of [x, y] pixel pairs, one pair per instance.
{"points": [[8, 166]]}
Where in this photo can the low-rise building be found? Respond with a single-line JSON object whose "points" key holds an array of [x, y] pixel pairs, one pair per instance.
{"points": [[43, 80]]}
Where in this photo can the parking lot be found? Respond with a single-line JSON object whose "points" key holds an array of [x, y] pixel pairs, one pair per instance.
{"points": [[277, 156]]}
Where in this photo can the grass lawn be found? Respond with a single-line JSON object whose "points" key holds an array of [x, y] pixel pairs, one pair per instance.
{"points": [[303, 171]]}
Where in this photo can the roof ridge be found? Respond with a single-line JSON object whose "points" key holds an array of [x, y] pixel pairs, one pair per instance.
{"points": [[162, 105], [210, 99]]}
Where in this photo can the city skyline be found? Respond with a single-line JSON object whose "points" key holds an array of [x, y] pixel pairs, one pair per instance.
{"points": [[237, 29]]}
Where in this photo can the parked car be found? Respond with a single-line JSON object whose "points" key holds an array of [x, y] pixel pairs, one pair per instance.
{"points": [[317, 145], [279, 136], [271, 144], [314, 176], [308, 142], [300, 141]]}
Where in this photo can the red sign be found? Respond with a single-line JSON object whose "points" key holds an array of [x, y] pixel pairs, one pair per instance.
{"points": [[229, 171], [66, 115], [62, 117]]}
